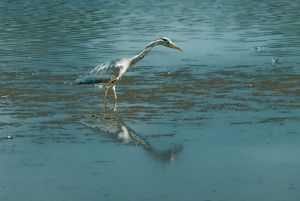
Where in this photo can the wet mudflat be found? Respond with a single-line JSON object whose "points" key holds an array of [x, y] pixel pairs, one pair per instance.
{"points": [[219, 121]]}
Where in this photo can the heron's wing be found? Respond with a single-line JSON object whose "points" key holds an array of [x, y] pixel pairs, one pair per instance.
{"points": [[104, 73]]}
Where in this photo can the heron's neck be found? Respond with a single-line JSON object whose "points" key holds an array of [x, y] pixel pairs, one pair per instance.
{"points": [[141, 55]]}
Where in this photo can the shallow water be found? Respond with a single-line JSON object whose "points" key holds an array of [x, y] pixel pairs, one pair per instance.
{"points": [[218, 121]]}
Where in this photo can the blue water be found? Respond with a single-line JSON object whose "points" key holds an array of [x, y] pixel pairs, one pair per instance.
{"points": [[216, 122]]}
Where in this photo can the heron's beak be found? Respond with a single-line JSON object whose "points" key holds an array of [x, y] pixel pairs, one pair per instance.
{"points": [[175, 47]]}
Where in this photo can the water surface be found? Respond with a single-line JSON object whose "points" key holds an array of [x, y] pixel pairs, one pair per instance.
{"points": [[218, 121]]}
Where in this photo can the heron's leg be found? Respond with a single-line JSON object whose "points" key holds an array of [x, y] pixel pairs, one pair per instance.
{"points": [[106, 90], [105, 104], [115, 106], [115, 93]]}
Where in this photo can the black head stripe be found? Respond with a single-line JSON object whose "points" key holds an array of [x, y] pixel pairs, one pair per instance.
{"points": [[164, 39]]}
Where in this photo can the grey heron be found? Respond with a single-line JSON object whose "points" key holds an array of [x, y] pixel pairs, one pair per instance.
{"points": [[109, 73]]}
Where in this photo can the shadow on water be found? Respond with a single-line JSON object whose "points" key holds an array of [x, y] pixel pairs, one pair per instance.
{"points": [[110, 122]]}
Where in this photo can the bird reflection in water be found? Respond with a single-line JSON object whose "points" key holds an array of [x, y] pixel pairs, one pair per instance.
{"points": [[110, 122]]}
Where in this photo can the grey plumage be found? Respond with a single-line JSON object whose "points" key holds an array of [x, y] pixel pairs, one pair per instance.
{"points": [[109, 73], [103, 73]]}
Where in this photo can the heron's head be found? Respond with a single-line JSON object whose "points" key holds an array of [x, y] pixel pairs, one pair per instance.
{"points": [[168, 43]]}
